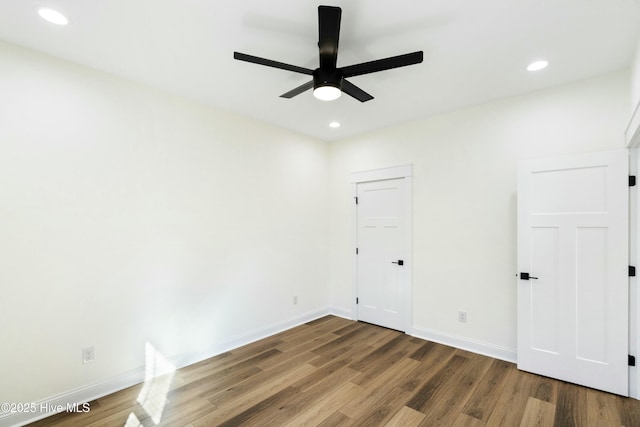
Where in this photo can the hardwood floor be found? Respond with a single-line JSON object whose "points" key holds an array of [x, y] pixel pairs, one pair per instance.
{"points": [[335, 372]]}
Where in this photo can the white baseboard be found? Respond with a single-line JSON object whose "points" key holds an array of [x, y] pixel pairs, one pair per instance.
{"points": [[46, 407], [475, 346], [463, 343], [341, 312]]}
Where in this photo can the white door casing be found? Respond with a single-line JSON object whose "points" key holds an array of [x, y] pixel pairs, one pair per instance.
{"points": [[573, 237], [382, 277]]}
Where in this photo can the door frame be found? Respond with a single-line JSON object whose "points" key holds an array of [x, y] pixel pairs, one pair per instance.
{"points": [[399, 172], [634, 260]]}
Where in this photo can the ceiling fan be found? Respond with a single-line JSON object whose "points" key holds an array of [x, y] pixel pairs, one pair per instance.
{"points": [[328, 80]]}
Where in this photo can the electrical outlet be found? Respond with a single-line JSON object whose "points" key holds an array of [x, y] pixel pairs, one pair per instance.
{"points": [[88, 355], [295, 299], [462, 316]]}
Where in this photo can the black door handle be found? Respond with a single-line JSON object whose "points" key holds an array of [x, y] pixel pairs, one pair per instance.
{"points": [[399, 262], [526, 276]]}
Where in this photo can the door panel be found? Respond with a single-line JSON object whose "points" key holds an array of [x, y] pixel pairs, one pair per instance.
{"points": [[591, 295], [573, 239], [569, 190], [381, 223], [544, 296]]}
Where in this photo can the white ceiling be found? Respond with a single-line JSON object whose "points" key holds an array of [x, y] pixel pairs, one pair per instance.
{"points": [[474, 51]]}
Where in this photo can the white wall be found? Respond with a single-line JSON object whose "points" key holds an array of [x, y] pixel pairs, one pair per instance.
{"points": [[130, 216], [464, 196], [635, 78]]}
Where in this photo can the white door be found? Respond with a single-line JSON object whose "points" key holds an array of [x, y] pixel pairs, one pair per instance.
{"points": [[382, 289], [573, 242]]}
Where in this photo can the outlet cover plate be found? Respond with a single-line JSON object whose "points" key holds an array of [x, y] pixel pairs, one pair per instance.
{"points": [[88, 355]]}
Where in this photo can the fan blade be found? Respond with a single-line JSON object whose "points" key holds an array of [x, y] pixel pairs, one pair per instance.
{"points": [[328, 35], [270, 63], [353, 90], [382, 64], [298, 90]]}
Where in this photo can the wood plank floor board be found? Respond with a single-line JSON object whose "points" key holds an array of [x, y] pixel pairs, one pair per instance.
{"points": [[571, 408], [321, 374], [430, 367], [373, 371], [297, 353], [227, 367], [484, 398], [384, 409], [303, 401], [514, 398], [303, 333], [421, 353], [262, 379], [629, 412], [376, 391], [212, 383], [344, 343], [546, 389], [422, 400], [256, 348], [352, 326], [464, 420], [255, 413], [325, 407], [405, 417], [361, 335], [602, 409], [456, 391], [356, 346], [372, 368], [293, 337], [372, 360], [337, 419], [336, 372], [304, 343], [207, 366], [181, 412], [538, 413], [231, 404]]}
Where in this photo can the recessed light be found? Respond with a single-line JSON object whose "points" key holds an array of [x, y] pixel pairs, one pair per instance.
{"points": [[334, 125], [53, 16], [537, 65]]}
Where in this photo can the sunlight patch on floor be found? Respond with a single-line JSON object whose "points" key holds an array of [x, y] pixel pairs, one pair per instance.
{"points": [[158, 376]]}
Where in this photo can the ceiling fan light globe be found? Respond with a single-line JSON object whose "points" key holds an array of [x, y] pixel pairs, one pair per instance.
{"points": [[327, 93]]}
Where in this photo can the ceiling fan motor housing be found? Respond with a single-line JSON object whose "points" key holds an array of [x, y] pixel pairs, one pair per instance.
{"points": [[323, 77]]}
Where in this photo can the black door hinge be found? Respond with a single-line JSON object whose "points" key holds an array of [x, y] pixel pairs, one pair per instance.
{"points": [[356, 200], [356, 251], [632, 181], [632, 360], [357, 301], [632, 271]]}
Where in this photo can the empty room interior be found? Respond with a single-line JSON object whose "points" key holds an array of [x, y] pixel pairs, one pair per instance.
{"points": [[191, 235]]}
